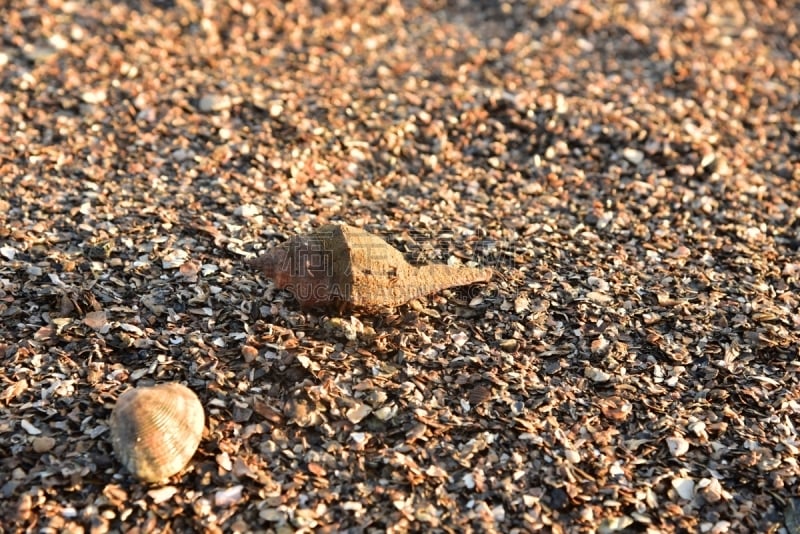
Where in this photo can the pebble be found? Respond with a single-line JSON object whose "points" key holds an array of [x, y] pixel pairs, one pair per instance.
{"points": [[94, 96], [214, 102]]}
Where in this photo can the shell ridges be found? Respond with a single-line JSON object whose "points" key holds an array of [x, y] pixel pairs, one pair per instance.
{"points": [[156, 430]]}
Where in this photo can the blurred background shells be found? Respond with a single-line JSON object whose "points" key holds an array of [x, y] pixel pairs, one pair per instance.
{"points": [[156, 430]]}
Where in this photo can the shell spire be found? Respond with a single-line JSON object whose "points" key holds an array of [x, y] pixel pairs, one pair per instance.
{"points": [[343, 266]]}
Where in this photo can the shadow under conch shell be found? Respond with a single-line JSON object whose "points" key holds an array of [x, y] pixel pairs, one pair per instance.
{"points": [[345, 267], [156, 430]]}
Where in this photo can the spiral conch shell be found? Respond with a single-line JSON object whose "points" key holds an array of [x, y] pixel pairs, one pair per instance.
{"points": [[156, 430], [342, 266]]}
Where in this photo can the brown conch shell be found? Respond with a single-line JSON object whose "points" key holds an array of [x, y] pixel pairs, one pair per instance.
{"points": [[346, 267], [156, 430]]}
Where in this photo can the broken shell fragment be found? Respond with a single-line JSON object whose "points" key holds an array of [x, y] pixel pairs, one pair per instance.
{"points": [[346, 267], [156, 430]]}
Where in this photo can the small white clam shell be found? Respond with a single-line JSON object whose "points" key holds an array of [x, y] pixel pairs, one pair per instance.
{"points": [[156, 430]]}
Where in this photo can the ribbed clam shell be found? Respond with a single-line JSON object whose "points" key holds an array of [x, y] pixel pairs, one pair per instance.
{"points": [[479, 394], [156, 430]]}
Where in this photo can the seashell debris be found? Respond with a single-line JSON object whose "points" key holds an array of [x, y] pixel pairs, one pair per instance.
{"points": [[156, 430]]}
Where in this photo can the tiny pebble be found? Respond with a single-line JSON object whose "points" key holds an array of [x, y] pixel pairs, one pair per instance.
{"points": [[214, 102]]}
